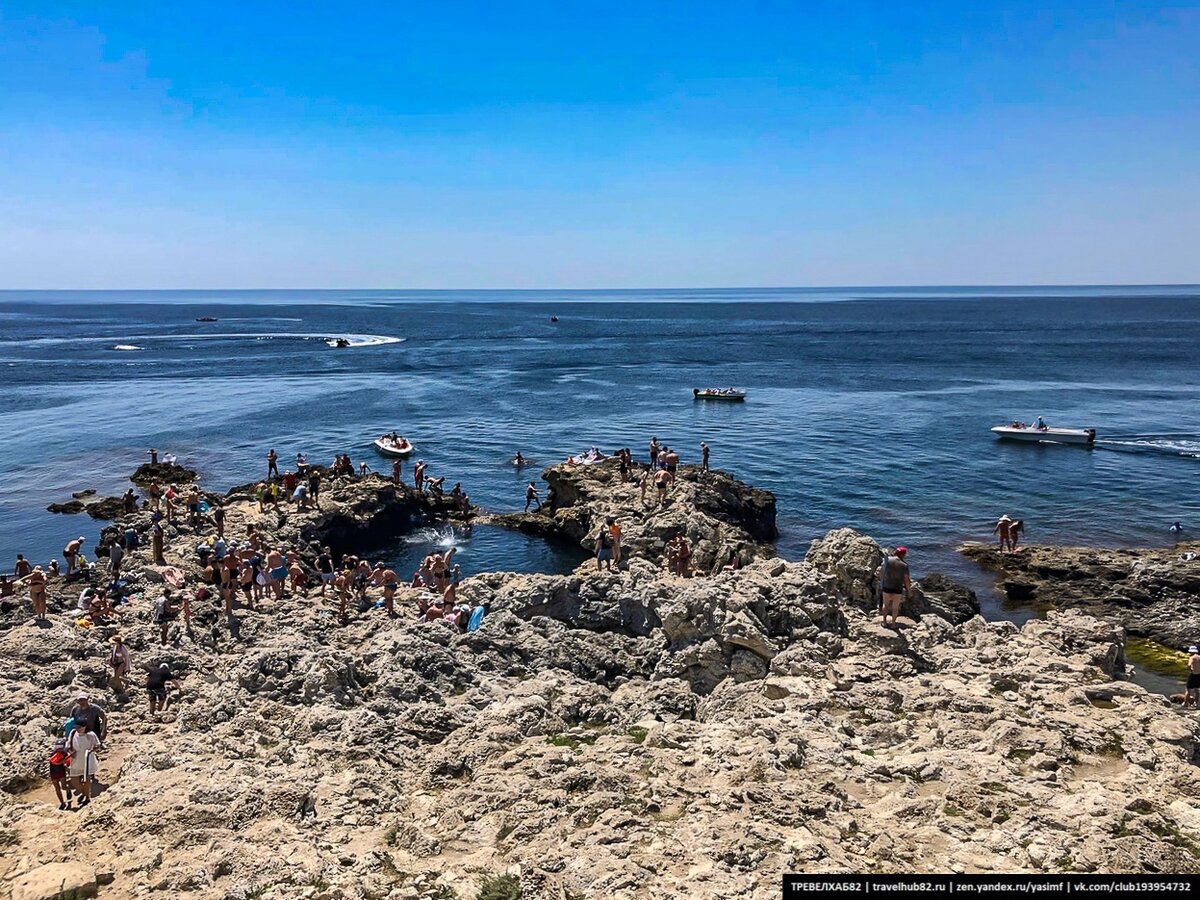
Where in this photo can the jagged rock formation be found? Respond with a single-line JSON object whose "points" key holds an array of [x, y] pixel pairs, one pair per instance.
{"points": [[609, 735], [717, 512], [1152, 593]]}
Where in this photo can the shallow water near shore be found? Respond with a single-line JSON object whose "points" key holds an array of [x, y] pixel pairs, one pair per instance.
{"points": [[867, 408]]}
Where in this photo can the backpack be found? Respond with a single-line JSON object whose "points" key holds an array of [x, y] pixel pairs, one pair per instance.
{"points": [[68, 727]]}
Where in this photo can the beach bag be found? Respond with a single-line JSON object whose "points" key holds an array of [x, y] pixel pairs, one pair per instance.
{"points": [[476, 619], [68, 727]]}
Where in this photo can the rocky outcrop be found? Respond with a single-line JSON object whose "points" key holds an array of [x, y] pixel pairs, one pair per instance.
{"points": [[622, 734], [1152, 593], [164, 473], [717, 512]]}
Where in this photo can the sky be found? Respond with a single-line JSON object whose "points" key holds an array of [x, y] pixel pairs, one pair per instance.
{"points": [[565, 144]]}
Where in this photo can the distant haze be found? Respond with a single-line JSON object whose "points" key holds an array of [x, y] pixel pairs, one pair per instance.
{"points": [[564, 145]]}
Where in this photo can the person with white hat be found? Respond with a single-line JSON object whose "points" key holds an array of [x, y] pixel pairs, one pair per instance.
{"points": [[121, 663], [1001, 528], [1192, 696]]}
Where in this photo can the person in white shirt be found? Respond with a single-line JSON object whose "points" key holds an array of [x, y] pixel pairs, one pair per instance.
{"points": [[82, 746]]}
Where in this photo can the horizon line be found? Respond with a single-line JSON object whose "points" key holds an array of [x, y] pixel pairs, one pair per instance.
{"points": [[742, 287]]}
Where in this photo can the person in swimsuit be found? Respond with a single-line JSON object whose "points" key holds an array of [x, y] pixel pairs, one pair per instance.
{"points": [[22, 567], [1191, 695], [388, 577], [298, 579], [1002, 528], [169, 498], [129, 501], [165, 611], [623, 465], [662, 481], [614, 531], [653, 451], [153, 454], [155, 492], [704, 457], [325, 568], [218, 515], [531, 496], [897, 585], [518, 460], [121, 663], [672, 460], [193, 506], [419, 476], [276, 573], [272, 464], [1015, 530], [71, 553], [397, 467], [37, 592]]}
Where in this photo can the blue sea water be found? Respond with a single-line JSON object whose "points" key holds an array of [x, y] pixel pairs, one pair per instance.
{"points": [[867, 407]]}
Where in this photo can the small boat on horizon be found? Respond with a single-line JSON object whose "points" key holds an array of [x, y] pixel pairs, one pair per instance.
{"points": [[731, 394], [395, 447], [206, 318], [1019, 431]]}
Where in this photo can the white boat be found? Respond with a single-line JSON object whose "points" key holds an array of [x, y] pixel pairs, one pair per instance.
{"points": [[401, 449], [1047, 435], [718, 393]]}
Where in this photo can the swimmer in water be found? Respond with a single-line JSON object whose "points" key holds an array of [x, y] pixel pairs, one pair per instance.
{"points": [[518, 460]]}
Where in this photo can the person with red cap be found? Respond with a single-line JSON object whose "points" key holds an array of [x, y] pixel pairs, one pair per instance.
{"points": [[897, 585]]}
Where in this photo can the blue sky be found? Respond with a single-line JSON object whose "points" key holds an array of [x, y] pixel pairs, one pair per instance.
{"points": [[564, 144]]}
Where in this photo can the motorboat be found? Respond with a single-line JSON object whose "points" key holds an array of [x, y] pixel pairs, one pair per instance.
{"points": [[718, 394], [206, 318], [338, 342], [397, 448], [1019, 431]]}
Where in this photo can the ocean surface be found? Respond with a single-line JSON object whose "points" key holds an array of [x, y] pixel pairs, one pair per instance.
{"points": [[867, 407]]}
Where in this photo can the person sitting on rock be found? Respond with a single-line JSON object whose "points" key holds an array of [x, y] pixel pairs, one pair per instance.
{"points": [[129, 501]]}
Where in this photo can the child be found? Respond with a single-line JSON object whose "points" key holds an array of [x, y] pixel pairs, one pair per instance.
{"points": [[58, 773]]}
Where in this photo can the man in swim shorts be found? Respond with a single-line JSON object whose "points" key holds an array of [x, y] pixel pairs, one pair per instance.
{"points": [[531, 496], [71, 553], [1192, 696], [325, 568], [1001, 528], [604, 552], [272, 464], [704, 455], [157, 682]]}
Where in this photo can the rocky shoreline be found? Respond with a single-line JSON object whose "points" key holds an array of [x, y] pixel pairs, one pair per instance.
{"points": [[1149, 592], [603, 734]]}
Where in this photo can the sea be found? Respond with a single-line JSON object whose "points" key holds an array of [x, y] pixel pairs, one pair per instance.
{"points": [[866, 407]]}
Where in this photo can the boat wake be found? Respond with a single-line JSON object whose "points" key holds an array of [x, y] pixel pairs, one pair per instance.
{"points": [[1185, 445], [126, 347], [353, 340]]}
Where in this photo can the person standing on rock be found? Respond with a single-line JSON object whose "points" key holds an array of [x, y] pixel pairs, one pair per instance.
{"points": [[703, 457], [218, 514], [314, 487], [37, 592], [116, 555], [1015, 530], [121, 663], [165, 611], [604, 551], [129, 502], [419, 476], [71, 553], [531, 496], [662, 481], [156, 542], [615, 531], [672, 461], [397, 471], [85, 710], [897, 585], [1001, 528], [82, 746], [272, 464], [1191, 695], [325, 568], [169, 498], [653, 451], [157, 682], [22, 568], [153, 454]]}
